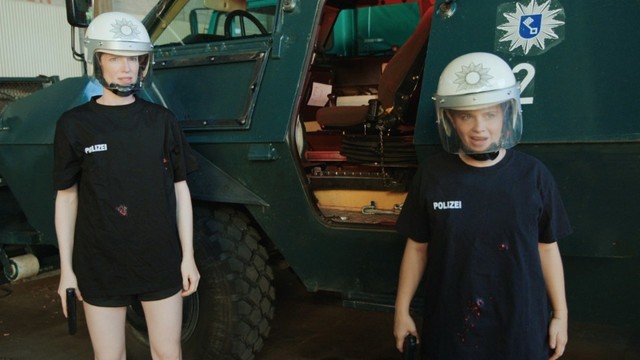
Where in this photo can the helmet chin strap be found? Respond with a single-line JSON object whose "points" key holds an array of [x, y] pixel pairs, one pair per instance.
{"points": [[123, 90], [488, 156], [484, 157]]}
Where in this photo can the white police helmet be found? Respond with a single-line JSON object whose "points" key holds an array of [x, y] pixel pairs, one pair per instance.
{"points": [[474, 81], [119, 34]]}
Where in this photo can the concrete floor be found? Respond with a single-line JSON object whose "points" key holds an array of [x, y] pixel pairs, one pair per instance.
{"points": [[306, 326]]}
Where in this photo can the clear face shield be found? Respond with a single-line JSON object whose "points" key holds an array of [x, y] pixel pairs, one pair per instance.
{"points": [[479, 123]]}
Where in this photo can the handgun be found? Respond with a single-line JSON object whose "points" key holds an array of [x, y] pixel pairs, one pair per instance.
{"points": [[71, 311], [409, 347]]}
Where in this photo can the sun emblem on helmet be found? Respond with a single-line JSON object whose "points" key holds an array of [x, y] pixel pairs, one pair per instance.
{"points": [[124, 29], [472, 77]]}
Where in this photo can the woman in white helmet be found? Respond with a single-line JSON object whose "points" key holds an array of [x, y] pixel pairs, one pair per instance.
{"points": [[123, 209], [481, 223]]}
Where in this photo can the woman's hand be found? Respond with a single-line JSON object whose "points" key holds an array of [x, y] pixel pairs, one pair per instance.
{"points": [[67, 281], [558, 334], [402, 327], [190, 276]]}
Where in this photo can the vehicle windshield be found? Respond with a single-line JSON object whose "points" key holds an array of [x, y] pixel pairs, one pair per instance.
{"points": [[196, 21]]}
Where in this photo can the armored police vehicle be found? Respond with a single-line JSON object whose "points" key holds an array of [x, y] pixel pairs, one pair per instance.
{"points": [[308, 120]]}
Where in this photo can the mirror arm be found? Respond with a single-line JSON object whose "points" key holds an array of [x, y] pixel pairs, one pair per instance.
{"points": [[78, 56]]}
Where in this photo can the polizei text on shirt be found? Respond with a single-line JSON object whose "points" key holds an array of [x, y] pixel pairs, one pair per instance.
{"points": [[445, 205], [95, 148]]}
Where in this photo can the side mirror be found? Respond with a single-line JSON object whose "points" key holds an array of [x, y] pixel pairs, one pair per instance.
{"points": [[79, 12]]}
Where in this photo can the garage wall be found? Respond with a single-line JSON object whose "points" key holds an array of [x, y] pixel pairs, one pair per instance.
{"points": [[35, 39]]}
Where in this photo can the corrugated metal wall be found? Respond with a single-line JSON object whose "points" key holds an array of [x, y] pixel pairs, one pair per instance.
{"points": [[35, 39]]}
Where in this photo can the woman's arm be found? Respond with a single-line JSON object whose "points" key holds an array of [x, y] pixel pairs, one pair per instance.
{"points": [[184, 214], [414, 262], [554, 280], [66, 211]]}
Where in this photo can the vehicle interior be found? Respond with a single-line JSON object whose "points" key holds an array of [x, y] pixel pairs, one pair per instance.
{"points": [[359, 109], [354, 133]]}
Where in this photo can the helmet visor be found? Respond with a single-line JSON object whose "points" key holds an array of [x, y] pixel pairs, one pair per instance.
{"points": [[480, 129]]}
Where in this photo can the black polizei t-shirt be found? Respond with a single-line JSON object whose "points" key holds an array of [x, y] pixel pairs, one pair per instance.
{"points": [[485, 295], [125, 160]]}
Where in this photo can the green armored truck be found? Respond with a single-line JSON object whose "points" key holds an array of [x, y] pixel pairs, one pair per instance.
{"points": [[308, 120]]}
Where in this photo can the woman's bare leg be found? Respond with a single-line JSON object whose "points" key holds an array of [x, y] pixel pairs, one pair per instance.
{"points": [[106, 329], [164, 321]]}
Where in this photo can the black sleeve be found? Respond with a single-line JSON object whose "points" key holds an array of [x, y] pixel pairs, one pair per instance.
{"points": [[182, 157], [66, 161], [413, 221], [554, 223]]}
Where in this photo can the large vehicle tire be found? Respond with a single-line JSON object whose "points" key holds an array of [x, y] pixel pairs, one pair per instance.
{"points": [[229, 316]]}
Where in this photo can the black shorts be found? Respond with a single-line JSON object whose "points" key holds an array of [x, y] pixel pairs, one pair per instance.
{"points": [[126, 300]]}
